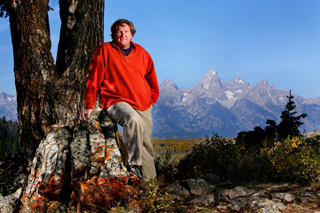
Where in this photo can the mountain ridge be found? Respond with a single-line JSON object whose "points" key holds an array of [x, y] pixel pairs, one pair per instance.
{"points": [[225, 108], [8, 106], [212, 106]]}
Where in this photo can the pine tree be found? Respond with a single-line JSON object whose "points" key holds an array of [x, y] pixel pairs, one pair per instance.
{"points": [[290, 123]]}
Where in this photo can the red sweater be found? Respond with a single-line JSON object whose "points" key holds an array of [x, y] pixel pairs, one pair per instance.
{"points": [[119, 78]]}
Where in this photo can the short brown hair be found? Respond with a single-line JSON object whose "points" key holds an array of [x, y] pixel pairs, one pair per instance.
{"points": [[121, 22]]}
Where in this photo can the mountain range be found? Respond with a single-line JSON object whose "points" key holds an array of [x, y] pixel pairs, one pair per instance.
{"points": [[8, 106], [212, 106], [225, 108]]}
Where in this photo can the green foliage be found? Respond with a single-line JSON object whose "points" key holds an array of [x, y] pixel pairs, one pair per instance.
{"points": [[153, 200], [297, 160], [7, 185], [276, 153], [206, 157], [9, 146], [265, 138], [165, 163], [226, 159], [290, 123]]}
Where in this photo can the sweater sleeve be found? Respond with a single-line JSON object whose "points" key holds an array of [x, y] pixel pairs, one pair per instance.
{"points": [[95, 78], [151, 78]]}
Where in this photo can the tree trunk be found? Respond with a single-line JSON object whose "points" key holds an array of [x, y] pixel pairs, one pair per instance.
{"points": [[81, 32], [48, 94]]}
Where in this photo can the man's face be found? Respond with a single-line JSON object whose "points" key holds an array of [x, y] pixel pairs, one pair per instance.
{"points": [[123, 36]]}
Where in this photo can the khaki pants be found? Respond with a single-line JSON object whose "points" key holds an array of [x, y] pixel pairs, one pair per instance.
{"points": [[137, 127]]}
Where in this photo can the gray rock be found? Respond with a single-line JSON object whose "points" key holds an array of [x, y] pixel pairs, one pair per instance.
{"points": [[178, 189], [205, 200], [306, 197], [92, 152], [285, 197], [238, 203], [49, 162], [9, 204], [258, 195], [267, 206], [18, 193], [238, 191], [198, 187], [211, 178]]}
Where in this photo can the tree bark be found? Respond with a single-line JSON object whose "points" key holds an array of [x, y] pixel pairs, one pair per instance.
{"points": [[82, 30], [48, 94]]}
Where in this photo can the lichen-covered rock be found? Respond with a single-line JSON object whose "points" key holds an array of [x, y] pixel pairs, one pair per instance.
{"points": [[48, 171], [9, 204], [85, 169]]}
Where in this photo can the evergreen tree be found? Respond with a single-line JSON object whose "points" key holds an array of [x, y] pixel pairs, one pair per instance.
{"points": [[8, 139], [290, 123]]}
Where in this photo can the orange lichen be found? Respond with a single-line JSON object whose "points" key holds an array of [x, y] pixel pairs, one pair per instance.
{"points": [[53, 188], [108, 152], [103, 193], [97, 124]]}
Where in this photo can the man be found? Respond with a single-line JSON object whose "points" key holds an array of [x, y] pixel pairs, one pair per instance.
{"points": [[123, 74]]}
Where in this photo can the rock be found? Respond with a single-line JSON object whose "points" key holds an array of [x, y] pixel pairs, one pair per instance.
{"points": [[85, 169], [238, 203], [211, 178], [9, 204], [258, 195], [18, 193], [266, 205], [197, 186], [285, 197], [238, 191], [185, 188], [204, 200], [306, 197], [48, 171], [178, 189]]}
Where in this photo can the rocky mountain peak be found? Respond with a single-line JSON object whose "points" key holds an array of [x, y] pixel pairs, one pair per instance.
{"points": [[168, 84], [210, 79], [225, 108], [263, 83], [5, 98]]}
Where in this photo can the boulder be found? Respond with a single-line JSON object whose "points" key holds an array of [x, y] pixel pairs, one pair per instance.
{"points": [[197, 186], [238, 191], [178, 189], [188, 187], [266, 205], [9, 204], [285, 197], [205, 200], [84, 169]]}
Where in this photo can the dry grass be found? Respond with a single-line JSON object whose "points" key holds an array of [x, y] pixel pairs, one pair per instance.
{"points": [[179, 147]]}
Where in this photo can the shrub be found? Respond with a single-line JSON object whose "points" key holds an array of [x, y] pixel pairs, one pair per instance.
{"points": [[7, 185], [153, 200], [296, 160], [228, 160], [165, 163], [216, 155]]}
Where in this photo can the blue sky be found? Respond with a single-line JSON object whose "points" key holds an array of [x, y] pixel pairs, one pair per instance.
{"points": [[276, 40]]}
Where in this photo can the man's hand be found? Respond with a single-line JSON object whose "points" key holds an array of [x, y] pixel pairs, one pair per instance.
{"points": [[86, 114]]}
